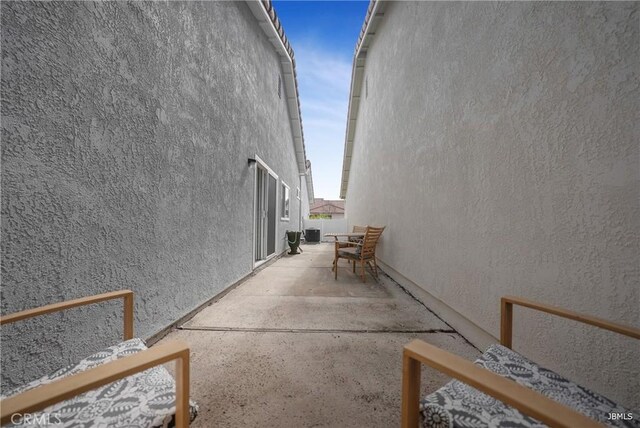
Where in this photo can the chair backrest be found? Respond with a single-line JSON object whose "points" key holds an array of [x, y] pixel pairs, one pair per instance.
{"points": [[371, 236], [359, 229]]}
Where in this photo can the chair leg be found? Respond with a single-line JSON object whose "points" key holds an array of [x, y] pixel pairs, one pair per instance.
{"points": [[335, 263], [354, 266], [375, 266], [363, 272]]}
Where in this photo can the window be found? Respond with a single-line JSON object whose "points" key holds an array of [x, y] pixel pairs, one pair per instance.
{"points": [[284, 204]]}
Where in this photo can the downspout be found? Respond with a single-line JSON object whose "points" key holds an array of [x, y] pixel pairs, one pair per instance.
{"points": [[300, 202]]}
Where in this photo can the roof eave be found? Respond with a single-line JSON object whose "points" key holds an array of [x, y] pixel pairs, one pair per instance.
{"points": [[270, 24], [372, 20]]}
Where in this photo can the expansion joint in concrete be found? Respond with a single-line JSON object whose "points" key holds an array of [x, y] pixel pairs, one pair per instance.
{"points": [[314, 330]]}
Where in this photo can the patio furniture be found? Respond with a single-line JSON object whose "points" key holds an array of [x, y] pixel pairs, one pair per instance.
{"points": [[356, 235], [357, 229], [123, 385], [520, 392], [363, 252]]}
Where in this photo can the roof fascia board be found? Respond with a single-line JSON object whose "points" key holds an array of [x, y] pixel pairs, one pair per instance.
{"points": [[374, 16], [263, 11]]}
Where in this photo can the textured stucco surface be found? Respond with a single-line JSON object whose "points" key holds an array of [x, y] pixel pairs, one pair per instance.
{"points": [[499, 144], [126, 129]]}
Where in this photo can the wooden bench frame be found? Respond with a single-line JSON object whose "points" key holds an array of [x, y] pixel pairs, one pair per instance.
{"points": [[43, 396], [526, 400]]}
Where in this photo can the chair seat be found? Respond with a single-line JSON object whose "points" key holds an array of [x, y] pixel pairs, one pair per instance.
{"points": [[350, 252], [145, 399], [458, 405]]}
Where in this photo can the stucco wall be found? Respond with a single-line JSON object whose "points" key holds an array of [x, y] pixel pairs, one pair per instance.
{"points": [[499, 144], [126, 129]]}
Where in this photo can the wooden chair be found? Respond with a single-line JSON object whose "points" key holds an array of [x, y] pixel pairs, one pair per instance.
{"points": [[359, 252], [514, 387], [356, 229], [130, 363]]}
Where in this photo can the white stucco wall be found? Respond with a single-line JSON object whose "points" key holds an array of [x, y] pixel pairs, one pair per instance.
{"points": [[498, 142]]}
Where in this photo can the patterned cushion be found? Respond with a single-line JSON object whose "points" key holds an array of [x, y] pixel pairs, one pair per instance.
{"points": [[350, 252], [458, 405], [145, 399], [359, 247]]}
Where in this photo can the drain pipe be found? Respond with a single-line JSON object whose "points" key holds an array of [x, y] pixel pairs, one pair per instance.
{"points": [[300, 201]]}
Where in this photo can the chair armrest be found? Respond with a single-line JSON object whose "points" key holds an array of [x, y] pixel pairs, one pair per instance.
{"points": [[509, 392], [127, 295], [68, 387], [346, 244], [506, 318]]}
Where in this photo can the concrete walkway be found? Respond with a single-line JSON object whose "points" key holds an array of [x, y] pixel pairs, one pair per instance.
{"points": [[292, 347]]}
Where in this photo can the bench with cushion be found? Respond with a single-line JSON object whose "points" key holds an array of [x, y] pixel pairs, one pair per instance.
{"points": [[504, 388], [122, 385]]}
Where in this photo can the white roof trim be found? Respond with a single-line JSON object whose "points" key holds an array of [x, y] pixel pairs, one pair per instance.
{"points": [[376, 12], [266, 23]]}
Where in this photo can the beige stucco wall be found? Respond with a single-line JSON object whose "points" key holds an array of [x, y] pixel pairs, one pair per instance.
{"points": [[498, 142]]}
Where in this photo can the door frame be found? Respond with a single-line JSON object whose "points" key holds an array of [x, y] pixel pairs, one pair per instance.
{"points": [[262, 164]]}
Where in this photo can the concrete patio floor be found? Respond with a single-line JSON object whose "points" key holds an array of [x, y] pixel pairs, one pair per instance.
{"points": [[292, 347]]}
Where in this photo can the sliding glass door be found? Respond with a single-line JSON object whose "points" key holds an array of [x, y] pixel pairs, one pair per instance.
{"points": [[265, 212]]}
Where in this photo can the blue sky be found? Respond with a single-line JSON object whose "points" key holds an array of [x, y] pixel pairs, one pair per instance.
{"points": [[323, 35]]}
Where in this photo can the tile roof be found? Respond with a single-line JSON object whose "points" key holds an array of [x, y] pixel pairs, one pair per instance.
{"points": [[294, 107], [322, 206], [268, 5]]}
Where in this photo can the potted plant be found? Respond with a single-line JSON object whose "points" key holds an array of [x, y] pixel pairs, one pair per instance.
{"points": [[293, 239]]}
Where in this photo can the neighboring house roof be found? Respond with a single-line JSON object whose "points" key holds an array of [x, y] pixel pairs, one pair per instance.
{"points": [[321, 206], [268, 20], [367, 33]]}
